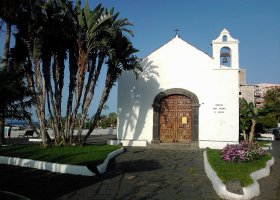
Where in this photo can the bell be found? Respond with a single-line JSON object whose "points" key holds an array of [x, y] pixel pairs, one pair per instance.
{"points": [[225, 60], [225, 56]]}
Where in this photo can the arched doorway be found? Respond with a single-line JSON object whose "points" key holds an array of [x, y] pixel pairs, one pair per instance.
{"points": [[184, 99], [175, 119]]}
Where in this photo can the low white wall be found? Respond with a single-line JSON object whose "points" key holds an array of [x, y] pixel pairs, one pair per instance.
{"points": [[54, 167], [133, 143], [15, 133], [60, 168]]}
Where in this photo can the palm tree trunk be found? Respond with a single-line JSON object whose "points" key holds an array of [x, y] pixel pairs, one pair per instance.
{"points": [[53, 119], [72, 83], [252, 131], [46, 64], [103, 100], [89, 93], [2, 129], [105, 94], [41, 99], [31, 86], [5, 58], [244, 135], [82, 65], [58, 77]]}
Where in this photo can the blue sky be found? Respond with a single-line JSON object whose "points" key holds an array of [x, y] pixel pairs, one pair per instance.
{"points": [[255, 23]]}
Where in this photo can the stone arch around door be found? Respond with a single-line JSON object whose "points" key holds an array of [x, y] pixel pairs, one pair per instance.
{"points": [[156, 111]]}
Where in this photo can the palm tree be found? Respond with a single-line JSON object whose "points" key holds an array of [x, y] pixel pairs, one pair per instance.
{"points": [[254, 114], [98, 51], [16, 101], [11, 12], [7, 11], [41, 35], [91, 42], [121, 57], [101, 43], [60, 31], [53, 30], [248, 116], [244, 119]]}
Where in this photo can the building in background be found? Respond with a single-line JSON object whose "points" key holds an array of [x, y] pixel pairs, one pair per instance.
{"points": [[256, 92], [260, 92]]}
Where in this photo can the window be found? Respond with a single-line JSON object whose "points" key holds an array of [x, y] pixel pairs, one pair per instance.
{"points": [[224, 38]]}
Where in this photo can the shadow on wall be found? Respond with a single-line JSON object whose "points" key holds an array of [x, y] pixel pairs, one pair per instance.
{"points": [[138, 95]]}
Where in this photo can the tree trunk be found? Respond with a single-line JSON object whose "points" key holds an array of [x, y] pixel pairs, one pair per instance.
{"points": [[2, 130], [96, 116], [5, 58], [252, 131], [244, 135], [82, 66], [58, 77], [41, 99], [104, 97], [31, 86], [72, 83], [5, 64], [46, 64], [89, 93], [53, 119]]}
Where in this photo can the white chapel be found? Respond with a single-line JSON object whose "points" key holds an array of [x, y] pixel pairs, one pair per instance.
{"points": [[183, 95]]}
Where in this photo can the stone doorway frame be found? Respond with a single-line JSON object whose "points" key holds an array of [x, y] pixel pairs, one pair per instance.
{"points": [[156, 109]]}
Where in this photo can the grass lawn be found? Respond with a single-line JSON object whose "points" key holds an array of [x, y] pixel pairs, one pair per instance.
{"points": [[75, 155], [230, 170]]}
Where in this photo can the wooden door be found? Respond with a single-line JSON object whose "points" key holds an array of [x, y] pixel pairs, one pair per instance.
{"points": [[175, 119]]}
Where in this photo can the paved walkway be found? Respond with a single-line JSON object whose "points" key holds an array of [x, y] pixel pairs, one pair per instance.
{"points": [[270, 186], [140, 173], [143, 173], [167, 173]]}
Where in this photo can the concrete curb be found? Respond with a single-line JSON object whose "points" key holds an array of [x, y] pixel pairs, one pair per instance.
{"points": [[11, 195], [60, 168], [250, 191], [103, 167], [267, 147]]}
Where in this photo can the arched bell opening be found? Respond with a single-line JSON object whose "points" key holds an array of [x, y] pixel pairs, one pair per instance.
{"points": [[225, 56]]}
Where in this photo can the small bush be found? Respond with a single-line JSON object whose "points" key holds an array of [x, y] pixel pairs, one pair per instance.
{"points": [[244, 152]]}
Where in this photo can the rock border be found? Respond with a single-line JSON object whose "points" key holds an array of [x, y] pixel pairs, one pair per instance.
{"points": [[60, 168], [250, 191]]}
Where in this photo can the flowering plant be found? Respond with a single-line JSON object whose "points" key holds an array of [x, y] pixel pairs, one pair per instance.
{"points": [[243, 152]]}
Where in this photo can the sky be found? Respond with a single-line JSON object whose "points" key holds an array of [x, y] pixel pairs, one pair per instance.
{"points": [[255, 23]]}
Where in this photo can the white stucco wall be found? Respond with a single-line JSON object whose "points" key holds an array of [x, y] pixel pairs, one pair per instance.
{"points": [[180, 65]]}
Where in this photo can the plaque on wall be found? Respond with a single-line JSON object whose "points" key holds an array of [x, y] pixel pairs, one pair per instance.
{"points": [[184, 120]]}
